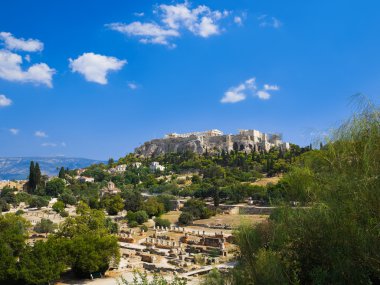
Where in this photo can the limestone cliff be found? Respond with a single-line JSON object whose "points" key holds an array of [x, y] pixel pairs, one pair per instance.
{"points": [[199, 144]]}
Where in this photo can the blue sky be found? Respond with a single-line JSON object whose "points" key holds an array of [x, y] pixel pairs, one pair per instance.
{"points": [[97, 78]]}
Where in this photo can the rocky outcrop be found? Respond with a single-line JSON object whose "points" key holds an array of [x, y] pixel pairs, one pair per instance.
{"points": [[199, 144]]}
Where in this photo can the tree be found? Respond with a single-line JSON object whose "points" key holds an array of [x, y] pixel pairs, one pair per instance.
{"points": [[58, 206], [113, 204], [55, 187], [45, 226], [185, 218], [32, 178], [133, 200], [162, 222], [37, 175], [38, 202], [42, 262], [140, 217], [62, 173], [153, 207]]}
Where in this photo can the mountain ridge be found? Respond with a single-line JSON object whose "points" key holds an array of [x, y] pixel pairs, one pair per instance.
{"points": [[17, 168]]}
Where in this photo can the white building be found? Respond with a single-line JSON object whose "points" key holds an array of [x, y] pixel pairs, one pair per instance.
{"points": [[136, 164], [86, 179], [155, 166]]}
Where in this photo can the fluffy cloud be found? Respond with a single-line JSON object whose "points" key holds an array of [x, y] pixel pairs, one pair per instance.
{"points": [[95, 67], [4, 101], [40, 134], [238, 20], [271, 87], [249, 87], [271, 22], [10, 69], [200, 21], [132, 85], [239, 93], [14, 131], [21, 44], [147, 32]]}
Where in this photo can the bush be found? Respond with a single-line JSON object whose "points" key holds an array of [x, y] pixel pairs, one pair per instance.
{"points": [[162, 222], [144, 228], [140, 217], [58, 206], [64, 214], [133, 224], [185, 218]]}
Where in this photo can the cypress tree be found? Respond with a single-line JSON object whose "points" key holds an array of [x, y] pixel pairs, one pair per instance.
{"points": [[32, 181], [62, 173], [37, 175]]}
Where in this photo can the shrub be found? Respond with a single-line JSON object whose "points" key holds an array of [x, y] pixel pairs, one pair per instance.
{"points": [[185, 218], [133, 224], [162, 222]]}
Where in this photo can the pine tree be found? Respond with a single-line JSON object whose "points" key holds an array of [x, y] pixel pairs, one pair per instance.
{"points": [[62, 173]]}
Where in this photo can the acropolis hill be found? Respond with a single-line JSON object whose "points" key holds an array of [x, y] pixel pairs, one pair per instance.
{"points": [[213, 141]]}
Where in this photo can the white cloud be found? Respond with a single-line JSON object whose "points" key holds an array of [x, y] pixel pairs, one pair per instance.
{"points": [[200, 21], [139, 14], [238, 20], [271, 22], [4, 101], [40, 134], [271, 87], [132, 86], [10, 69], [53, 144], [264, 95], [95, 67], [239, 93], [48, 144], [148, 32], [249, 87], [21, 44], [14, 131]]}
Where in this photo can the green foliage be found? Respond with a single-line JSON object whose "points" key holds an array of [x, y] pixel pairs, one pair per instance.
{"points": [[42, 263], [162, 222], [113, 204], [55, 187], [336, 239], [197, 209], [185, 218], [142, 279], [38, 202], [139, 217], [133, 200], [45, 226], [153, 207], [58, 206]]}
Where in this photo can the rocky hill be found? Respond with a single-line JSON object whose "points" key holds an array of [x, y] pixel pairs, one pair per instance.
{"points": [[199, 144], [18, 167]]}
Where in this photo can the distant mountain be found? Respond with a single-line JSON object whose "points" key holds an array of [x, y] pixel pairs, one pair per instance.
{"points": [[18, 167]]}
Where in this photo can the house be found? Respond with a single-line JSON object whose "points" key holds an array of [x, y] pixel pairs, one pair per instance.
{"points": [[84, 179], [110, 189], [121, 168], [155, 166], [136, 164], [118, 169]]}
